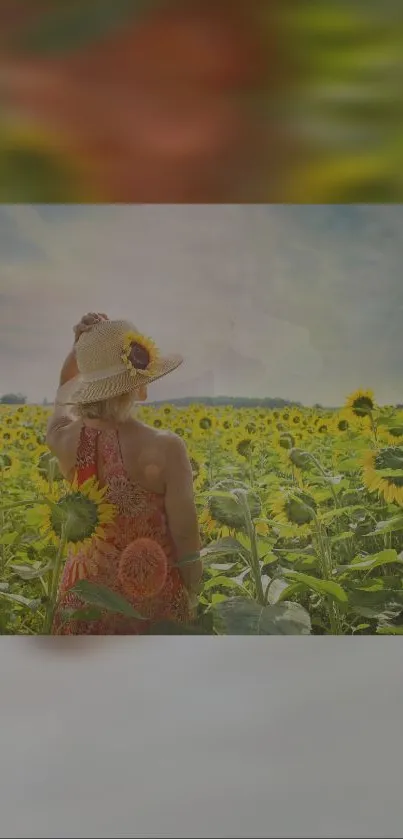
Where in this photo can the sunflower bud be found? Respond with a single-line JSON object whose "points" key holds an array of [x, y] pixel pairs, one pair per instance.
{"points": [[286, 441], [299, 458]]}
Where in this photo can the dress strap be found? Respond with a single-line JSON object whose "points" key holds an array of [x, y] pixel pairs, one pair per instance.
{"points": [[110, 451], [86, 461]]}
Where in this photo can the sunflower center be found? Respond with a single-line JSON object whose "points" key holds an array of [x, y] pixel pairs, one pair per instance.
{"points": [[139, 356], [243, 447], [362, 406], [78, 514], [5, 461], [342, 425], [205, 423]]}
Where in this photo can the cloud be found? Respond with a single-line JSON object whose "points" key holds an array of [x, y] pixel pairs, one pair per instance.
{"points": [[299, 302]]}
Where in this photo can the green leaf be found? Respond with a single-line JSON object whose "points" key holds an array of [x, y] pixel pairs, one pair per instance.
{"points": [[386, 557], [336, 512], [241, 616], [276, 589], [8, 538], [353, 464], [27, 573], [217, 597], [221, 547], [225, 582], [101, 596], [22, 601], [324, 587], [389, 630], [34, 517], [388, 526], [223, 566], [90, 614]]}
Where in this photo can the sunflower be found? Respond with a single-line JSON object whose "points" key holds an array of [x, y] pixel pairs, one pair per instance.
{"points": [[206, 423], [295, 508], [245, 446], [8, 435], [376, 477], [392, 434], [284, 440], [299, 458], [83, 512], [9, 464], [361, 403], [139, 354], [52, 492], [227, 424], [228, 442], [341, 425], [295, 418], [225, 515]]}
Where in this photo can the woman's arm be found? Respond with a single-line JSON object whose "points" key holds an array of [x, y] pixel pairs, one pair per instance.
{"points": [[62, 414], [181, 511], [69, 370]]}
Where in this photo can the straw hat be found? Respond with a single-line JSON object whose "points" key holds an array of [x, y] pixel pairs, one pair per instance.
{"points": [[114, 358]]}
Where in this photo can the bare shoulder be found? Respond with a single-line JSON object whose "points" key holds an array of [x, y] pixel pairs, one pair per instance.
{"points": [[172, 444], [168, 448], [164, 439]]}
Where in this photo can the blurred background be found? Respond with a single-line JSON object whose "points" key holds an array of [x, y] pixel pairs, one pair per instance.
{"points": [[201, 101]]}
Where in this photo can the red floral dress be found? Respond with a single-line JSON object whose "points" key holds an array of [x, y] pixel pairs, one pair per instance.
{"points": [[135, 558]]}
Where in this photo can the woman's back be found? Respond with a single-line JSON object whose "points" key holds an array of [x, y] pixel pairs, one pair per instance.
{"points": [[136, 555], [142, 450]]}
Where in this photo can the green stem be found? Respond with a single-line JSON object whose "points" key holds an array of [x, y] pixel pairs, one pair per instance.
{"points": [[255, 565], [373, 427], [54, 580], [326, 569], [325, 475]]}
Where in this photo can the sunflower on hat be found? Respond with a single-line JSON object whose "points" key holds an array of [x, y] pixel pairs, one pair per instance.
{"points": [[140, 354]]}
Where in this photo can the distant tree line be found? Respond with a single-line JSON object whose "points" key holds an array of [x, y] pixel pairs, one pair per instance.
{"points": [[13, 399], [233, 401]]}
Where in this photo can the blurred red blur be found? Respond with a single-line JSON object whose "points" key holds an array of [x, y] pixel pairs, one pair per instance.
{"points": [[162, 107], [212, 101]]}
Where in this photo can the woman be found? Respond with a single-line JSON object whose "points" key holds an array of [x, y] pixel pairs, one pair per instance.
{"points": [[146, 473]]}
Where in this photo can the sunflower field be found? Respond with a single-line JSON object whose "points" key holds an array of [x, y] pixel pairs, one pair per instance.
{"points": [[300, 510]]}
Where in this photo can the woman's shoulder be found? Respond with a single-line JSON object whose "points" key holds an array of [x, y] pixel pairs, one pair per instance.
{"points": [[161, 436]]}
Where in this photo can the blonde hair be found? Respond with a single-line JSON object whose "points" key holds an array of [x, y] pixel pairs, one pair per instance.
{"points": [[116, 408]]}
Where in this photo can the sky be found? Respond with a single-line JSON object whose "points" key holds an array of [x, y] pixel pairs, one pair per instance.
{"points": [[298, 302]]}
